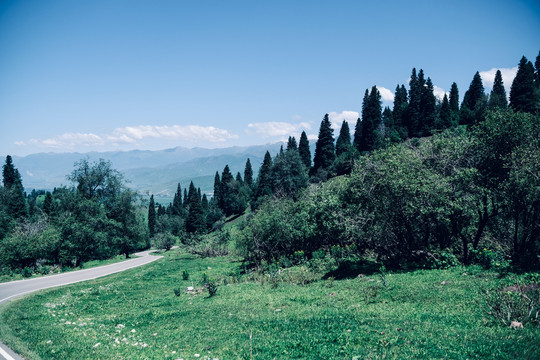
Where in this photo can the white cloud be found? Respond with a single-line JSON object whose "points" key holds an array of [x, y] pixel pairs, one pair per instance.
{"points": [[276, 128], [296, 117], [439, 92], [508, 75], [386, 94], [133, 135], [336, 119]]}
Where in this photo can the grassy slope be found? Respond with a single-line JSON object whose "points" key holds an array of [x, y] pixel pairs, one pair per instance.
{"points": [[135, 315]]}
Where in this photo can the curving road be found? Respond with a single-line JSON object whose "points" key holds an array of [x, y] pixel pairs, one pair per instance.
{"points": [[15, 289]]}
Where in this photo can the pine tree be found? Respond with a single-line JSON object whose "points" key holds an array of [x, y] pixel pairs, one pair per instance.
{"points": [[497, 97], [413, 110], [305, 152], [391, 132], [217, 190], [445, 115], [537, 70], [291, 144], [324, 147], [474, 102], [523, 96], [343, 142], [400, 110], [264, 181], [248, 174], [288, 174], [18, 207], [48, 204], [453, 102], [204, 203], [177, 208], [195, 221], [152, 216], [427, 109], [186, 204], [239, 178], [9, 173], [371, 120], [226, 191]]}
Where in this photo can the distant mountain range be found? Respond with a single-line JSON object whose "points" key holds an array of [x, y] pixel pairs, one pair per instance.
{"points": [[148, 172]]}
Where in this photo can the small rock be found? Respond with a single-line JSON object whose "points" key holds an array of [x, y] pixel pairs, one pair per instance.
{"points": [[516, 325], [97, 345], [278, 310], [133, 330], [190, 288], [49, 341], [197, 355], [445, 282]]}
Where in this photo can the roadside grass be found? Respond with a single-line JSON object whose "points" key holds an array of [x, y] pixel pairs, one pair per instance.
{"points": [[423, 314], [58, 270]]}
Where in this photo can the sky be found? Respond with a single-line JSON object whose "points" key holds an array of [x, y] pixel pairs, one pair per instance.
{"points": [[107, 75]]}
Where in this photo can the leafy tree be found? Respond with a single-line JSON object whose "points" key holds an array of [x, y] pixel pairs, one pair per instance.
{"points": [[343, 143], [152, 216], [497, 97], [248, 173], [96, 181], [474, 103], [324, 148], [523, 96], [303, 149]]}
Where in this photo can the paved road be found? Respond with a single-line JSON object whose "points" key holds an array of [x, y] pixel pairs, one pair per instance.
{"points": [[15, 289]]}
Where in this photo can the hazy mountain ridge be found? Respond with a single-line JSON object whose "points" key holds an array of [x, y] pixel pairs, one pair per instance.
{"points": [[154, 172]]}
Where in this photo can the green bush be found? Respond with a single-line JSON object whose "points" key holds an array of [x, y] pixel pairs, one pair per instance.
{"points": [[185, 275], [27, 272], [163, 241], [514, 303]]}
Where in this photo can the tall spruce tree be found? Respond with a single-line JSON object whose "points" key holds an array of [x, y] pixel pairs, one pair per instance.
{"points": [[177, 208], [226, 191], [474, 102], [497, 97], [248, 174], [303, 149], [195, 222], [10, 174], [400, 110], [343, 142], [48, 204], [445, 115], [357, 137], [371, 120], [324, 147], [537, 70], [523, 96], [217, 190], [453, 102], [391, 133], [291, 144], [264, 180], [152, 216], [239, 178], [412, 122], [428, 109]]}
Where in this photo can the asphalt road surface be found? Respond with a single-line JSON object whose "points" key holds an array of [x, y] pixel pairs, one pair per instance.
{"points": [[14, 289]]}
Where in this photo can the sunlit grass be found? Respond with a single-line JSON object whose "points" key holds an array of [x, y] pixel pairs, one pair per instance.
{"points": [[431, 314]]}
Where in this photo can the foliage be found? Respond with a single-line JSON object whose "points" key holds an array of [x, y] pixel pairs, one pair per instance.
{"points": [[516, 303], [163, 241]]}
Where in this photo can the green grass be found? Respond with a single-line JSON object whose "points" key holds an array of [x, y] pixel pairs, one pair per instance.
{"points": [[136, 315], [56, 270]]}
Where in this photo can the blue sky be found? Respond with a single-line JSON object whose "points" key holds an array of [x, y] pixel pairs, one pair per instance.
{"points": [[118, 75]]}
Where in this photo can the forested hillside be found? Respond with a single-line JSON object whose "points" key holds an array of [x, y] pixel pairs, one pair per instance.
{"points": [[425, 182]]}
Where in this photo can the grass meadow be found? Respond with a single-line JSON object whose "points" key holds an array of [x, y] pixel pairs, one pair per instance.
{"points": [[298, 314]]}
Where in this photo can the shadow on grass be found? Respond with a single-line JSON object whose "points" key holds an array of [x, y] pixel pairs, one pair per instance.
{"points": [[350, 269]]}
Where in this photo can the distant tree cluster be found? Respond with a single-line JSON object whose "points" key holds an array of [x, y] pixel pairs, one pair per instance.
{"points": [[96, 219]]}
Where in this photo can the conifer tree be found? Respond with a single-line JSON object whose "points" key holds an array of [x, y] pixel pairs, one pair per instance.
{"points": [[204, 202], [248, 174], [264, 180], [537, 70], [18, 207], [400, 110], [291, 144], [226, 191], [371, 120], [324, 148], [357, 137], [305, 152], [497, 97], [217, 190], [343, 142], [413, 110], [445, 115], [152, 216], [195, 219], [177, 208], [186, 204], [9, 173], [427, 108], [453, 103], [391, 132], [523, 96], [48, 204], [239, 178], [288, 174], [474, 102]]}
